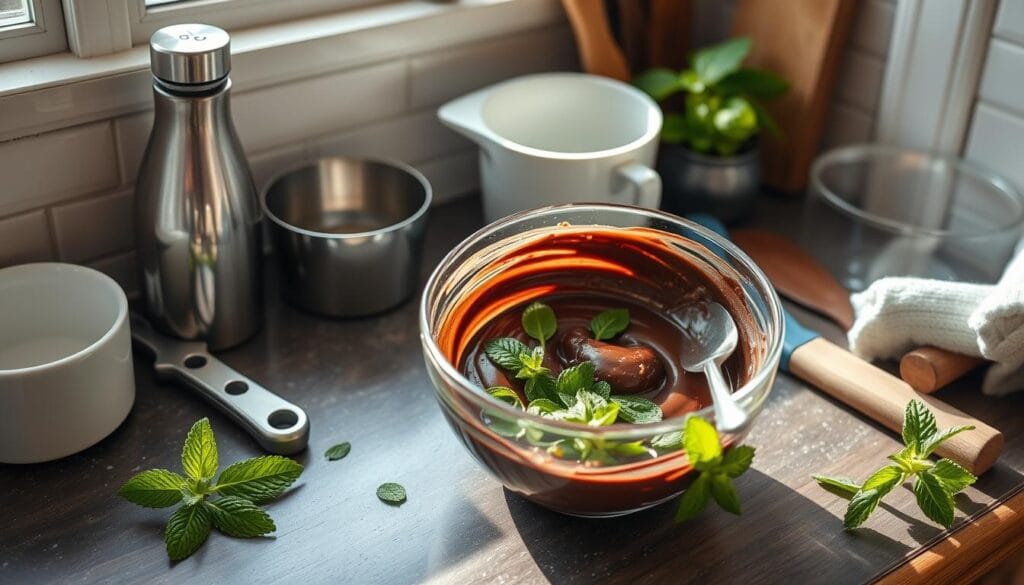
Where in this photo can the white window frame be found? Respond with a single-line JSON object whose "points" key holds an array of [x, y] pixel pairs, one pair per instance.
{"points": [[102, 27], [43, 36]]}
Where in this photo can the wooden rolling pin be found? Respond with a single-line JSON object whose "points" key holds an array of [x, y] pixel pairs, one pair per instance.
{"points": [[927, 369], [884, 397]]}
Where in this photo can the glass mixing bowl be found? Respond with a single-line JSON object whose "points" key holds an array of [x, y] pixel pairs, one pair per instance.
{"points": [[510, 443]]}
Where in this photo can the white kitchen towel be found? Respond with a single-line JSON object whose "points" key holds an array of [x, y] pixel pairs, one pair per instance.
{"points": [[998, 322], [895, 315]]}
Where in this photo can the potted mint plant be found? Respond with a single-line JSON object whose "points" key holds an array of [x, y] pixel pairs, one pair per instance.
{"points": [[708, 158]]}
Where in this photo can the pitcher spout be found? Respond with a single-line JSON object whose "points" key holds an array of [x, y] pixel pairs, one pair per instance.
{"points": [[465, 116]]}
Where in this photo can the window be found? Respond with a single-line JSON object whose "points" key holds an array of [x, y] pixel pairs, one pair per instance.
{"points": [[146, 16], [30, 28]]}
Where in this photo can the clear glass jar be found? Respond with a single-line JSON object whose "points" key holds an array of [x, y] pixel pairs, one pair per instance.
{"points": [[520, 462]]}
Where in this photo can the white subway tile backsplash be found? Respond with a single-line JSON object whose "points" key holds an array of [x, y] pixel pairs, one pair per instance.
{"points": [[132, 135], [440, 76], [1001, 80], [90, 229], [846, 125], [25, 238], [452, 176], [872, 26], [293, 112], [268, 164], [45, 169], [123, 268], [1010, 21], [860, 80], [418, 136], [995, 141]]}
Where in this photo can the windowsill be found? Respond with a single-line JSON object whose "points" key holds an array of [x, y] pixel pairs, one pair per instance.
{"points": [[46, 92]]}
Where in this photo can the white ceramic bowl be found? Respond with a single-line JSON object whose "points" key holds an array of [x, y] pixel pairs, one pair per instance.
{"points": [[66, 378]]}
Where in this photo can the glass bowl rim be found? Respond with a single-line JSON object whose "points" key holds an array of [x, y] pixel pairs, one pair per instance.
{"points": [[743, 395], [868, 151]]}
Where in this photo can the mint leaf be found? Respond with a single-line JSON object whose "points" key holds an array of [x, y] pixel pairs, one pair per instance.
{"points": [[258, 479], [154, 488], [602, 388], [505, 352], [700, 440], [610, 323], [391, 493], [578, 377], [543, 407], [952, 477], [724, 493], [636, 410], [840, 486], [736, 461], [634, 449], [933, 499], [918, 425], [239, 517], [861, 506], [668, 441], [883, 480], [541, 386], [714, 63], [695, 498], [931, 443], [532, 364], [199, 456], [539, 322], [506, 395], [187, 530], [339, 451]]}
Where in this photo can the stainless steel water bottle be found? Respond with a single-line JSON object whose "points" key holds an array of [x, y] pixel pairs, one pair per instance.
{"points": [[197, 215]]}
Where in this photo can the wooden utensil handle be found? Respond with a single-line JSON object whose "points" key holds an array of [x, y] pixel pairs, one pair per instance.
{"points": [[884, 397], [927, 369]]}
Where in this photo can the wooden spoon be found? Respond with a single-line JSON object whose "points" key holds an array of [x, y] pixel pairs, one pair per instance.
{"points": [[599, 54], [801, 279]]}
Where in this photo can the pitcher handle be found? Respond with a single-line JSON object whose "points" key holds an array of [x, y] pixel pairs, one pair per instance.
{"points": [[646, 184]]}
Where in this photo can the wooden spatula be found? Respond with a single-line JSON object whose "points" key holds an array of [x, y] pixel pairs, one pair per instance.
{"points": [[599, 53], [801, 279]]}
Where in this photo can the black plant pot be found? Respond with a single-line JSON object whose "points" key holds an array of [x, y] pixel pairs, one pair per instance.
{"points": [[721, 185]]}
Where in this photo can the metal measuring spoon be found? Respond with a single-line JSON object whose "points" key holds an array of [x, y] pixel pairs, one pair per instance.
{"points": [[712, 337]]}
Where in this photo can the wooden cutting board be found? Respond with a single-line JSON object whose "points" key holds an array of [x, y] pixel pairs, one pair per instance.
{"points": [[801, 40]]}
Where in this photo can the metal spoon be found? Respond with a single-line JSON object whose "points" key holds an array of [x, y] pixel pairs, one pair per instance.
{"points": [[712, 337]]}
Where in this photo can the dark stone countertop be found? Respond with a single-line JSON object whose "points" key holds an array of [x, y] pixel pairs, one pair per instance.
{"points": [[364, 381]]}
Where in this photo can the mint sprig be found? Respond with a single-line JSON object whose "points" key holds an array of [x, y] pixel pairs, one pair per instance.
{"points": [[934, 485], [229, 503], [717, 470], [539, 322], [610, 323]]}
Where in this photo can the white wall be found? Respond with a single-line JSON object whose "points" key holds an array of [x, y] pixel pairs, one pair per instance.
{"points": [[995, 138], [67, 193]]}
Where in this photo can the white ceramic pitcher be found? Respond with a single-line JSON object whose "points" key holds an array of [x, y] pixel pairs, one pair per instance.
{"points": [[560, 138]]}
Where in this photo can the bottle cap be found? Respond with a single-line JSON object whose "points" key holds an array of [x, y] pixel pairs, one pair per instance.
{"points": [[190, 54]]}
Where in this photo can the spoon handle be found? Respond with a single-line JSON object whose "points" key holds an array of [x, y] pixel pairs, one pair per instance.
{"points": [[729, 417], [883, 398]]}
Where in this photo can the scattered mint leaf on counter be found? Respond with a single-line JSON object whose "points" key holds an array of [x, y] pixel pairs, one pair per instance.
{"points": [[229, 504], [934, 485], [155, 488], [339, 451], [717, 470], [610, 323], [391, 493], [539, 322]]}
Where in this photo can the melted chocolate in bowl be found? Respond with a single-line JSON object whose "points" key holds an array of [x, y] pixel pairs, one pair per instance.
{"points": [[580, 272]]}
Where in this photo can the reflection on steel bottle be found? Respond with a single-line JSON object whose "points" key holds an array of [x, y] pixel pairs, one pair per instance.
{"points": [[199, 236]]}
